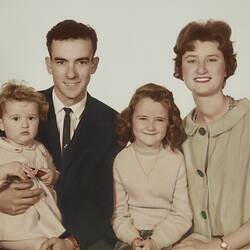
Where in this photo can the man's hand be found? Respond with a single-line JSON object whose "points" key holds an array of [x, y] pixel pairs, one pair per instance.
{"points": [[18, 197], [14, 170], [56, 244]]}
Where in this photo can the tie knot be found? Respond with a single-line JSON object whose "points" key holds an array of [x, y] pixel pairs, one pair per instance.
{"points": [[67, 110]]}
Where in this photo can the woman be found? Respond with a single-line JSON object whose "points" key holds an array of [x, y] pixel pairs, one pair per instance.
{"points": [[217, 150]]}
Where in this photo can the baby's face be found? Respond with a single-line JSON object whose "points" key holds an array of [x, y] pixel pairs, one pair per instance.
{"points": [[20, 121]]}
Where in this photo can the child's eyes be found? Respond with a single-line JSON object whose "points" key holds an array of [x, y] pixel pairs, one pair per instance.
{"points": [[212, 60], [156, 119], [160, 119], [15, 118], [142, 118], [32, 118], [193, 60]]}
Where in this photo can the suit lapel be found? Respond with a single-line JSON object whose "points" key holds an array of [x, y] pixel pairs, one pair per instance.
{"points": [[83, 136], [49, 131]]}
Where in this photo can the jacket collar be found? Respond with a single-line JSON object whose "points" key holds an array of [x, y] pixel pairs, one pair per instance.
{"points": [[223, 124]]}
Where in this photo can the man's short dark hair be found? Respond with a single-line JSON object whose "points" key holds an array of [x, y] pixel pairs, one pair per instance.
{"points": [[70, 29]]}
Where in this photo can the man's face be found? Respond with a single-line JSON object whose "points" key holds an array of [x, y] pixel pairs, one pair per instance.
{"points": [[71, 65]]}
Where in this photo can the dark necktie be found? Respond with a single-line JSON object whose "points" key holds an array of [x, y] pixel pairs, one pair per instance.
{"points": [[66, 128]]}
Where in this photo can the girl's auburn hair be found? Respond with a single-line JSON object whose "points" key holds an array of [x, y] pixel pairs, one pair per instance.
{"points": [[175, 135]]}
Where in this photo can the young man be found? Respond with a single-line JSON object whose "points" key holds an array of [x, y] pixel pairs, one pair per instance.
{"points": [[84, 191]]}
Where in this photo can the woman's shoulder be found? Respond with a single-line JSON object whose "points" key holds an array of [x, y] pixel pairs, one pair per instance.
{"points": [[241, 110], [244, 103]]}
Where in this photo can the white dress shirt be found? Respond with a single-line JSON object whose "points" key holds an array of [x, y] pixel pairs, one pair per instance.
{"points": [[75, 115]]}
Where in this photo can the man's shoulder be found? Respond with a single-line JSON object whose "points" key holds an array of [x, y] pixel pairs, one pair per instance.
{"points": [[99, 106], [47, 92]]}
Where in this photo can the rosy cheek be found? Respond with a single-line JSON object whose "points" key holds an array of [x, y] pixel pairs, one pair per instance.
{"points": [[222, 71], [185, 71]]}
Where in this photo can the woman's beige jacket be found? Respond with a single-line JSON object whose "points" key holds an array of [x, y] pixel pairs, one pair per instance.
{"points": [[217, 158]]}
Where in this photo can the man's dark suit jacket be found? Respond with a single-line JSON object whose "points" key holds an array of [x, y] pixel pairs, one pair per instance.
{"points": [[85, 186]]}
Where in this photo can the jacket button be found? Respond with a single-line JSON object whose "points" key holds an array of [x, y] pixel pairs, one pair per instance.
{"points": [[200, 173], [204, 215], [202, 131]]}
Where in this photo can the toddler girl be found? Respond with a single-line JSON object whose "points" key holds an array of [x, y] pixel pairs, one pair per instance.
{"points": [[22, 157]]}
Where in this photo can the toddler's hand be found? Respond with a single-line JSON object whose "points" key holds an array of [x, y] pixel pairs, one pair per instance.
{"points": [[50, 177]]}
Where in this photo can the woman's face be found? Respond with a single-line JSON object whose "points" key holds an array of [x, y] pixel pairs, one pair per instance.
{"points": [[204, 69]]}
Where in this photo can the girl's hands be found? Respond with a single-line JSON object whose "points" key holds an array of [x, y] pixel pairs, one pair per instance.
{"points": [[140, 244], [149, 244], [136, 244]]}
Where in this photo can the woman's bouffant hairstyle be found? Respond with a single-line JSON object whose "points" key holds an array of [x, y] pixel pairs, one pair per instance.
{"points": [[213, 31], [17, 90], [175, 135]]}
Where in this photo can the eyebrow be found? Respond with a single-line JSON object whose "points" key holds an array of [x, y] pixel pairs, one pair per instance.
{"points": [[19, 114], [60, 58], [187, 56], [78, 59], [163, 117], [139, 115], [83, 59], [216, 55]]}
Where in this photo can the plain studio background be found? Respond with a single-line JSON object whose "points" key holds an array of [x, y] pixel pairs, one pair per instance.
{"points": [[136, 39]]}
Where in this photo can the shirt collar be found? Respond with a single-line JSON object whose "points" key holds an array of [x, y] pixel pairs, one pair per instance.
{"points": [[221, 125], [76, 108]]}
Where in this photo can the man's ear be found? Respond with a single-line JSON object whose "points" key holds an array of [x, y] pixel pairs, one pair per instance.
{"points": [[48, 64], [1, 124], [94, 64]]}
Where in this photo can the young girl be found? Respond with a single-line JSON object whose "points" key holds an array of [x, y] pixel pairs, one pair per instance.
{"points": [[151, 202], [22, 157]]}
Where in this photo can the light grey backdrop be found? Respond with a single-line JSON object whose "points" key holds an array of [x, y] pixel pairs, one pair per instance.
{"points": [[136, 38]]}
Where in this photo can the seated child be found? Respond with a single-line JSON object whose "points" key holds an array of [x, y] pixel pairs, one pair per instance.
{"points": [[22, 157], [152, 208]]}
